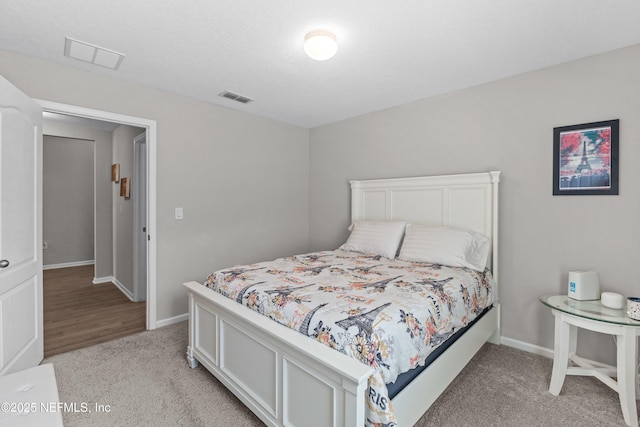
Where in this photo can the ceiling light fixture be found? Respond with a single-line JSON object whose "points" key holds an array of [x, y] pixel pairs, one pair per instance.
{"points": [[320, 44]]}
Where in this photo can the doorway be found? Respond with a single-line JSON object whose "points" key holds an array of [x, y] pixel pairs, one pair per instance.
{"points": [[90, 295], [149, 176]]}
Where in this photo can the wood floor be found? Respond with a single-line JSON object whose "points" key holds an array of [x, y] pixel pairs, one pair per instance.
{"points": [[78, 313]]}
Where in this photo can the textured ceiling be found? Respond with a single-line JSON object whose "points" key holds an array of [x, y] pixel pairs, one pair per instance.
{"points": [[389, 53]]}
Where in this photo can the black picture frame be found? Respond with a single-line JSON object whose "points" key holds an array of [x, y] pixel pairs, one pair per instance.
{"points": [[585, 159]]}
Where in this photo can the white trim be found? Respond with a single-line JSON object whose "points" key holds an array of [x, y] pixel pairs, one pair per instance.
{"points": [[151, 127], [68, 264], [172, 320], [123, 289], [100, 280], [528, 347], [139, 207], [95, 204]]}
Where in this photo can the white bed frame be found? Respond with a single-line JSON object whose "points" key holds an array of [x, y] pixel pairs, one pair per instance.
{"points": [[287, 379]]}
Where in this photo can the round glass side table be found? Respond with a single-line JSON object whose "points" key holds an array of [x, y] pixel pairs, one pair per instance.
{"points": [[572, 314]]}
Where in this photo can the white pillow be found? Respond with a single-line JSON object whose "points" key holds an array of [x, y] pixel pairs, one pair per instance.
{"points": [[375, 237], [445, 246]]}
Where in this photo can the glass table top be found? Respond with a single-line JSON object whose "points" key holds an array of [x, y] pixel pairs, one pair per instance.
{"points": [[593, 309]]}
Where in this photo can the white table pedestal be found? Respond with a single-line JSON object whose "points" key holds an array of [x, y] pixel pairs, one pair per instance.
{"points": [[627, 386]]}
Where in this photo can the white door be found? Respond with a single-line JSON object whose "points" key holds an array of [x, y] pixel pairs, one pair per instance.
{"points": [[140, 217], [21, 343]]}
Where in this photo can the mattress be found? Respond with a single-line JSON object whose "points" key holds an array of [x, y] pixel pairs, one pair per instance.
{"points": [[405, 378], [389, 314]]}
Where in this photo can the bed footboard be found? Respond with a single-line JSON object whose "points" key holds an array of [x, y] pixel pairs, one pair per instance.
{"points": [[282, 376]]}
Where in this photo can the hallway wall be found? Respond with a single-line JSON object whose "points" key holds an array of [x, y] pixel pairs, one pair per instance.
{"points": [[123, 209], [68, 196], [103, 255]]}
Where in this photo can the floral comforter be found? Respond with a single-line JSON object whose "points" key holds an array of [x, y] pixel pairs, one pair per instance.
{"points": [[388, 314]]}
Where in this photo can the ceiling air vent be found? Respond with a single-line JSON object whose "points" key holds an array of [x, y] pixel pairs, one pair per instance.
{"points": [[235, 97], [93, 54]]}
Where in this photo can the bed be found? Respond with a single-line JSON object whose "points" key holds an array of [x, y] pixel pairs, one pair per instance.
{"points": [[288, 379]]}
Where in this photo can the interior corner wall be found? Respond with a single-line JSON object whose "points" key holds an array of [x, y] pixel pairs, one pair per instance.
{"points": [[123, 208], [241, 180], [103, 253], [507, 125]]}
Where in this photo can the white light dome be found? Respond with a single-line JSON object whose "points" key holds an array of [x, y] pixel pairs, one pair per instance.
{"points": [[320, 45]]}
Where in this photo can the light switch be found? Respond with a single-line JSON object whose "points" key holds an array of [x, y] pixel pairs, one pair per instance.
{"points": [[179, 214]]}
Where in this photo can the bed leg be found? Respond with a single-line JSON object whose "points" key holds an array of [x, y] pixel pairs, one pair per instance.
{"points": [[191, 360], [495, 338]]}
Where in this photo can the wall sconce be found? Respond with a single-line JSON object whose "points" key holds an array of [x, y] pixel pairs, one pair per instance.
{"points": [[115, 172]]}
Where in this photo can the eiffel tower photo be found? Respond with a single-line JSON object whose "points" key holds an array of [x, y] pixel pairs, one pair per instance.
{"points": [[584, 163]]}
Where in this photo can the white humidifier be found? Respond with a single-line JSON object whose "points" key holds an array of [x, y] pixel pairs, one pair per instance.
{"points": [[584, 285]]}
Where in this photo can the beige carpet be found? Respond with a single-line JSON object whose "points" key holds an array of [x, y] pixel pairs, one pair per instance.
{"points": [[144, 380]]}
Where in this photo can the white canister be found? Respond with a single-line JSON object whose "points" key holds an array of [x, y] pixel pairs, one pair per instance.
{"points": [[612, 300], [633, 308]]}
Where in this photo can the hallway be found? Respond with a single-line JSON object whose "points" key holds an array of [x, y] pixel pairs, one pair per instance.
{"points": [[79, 314]]}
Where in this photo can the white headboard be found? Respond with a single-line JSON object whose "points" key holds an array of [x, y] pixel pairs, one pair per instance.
{"points": [[465, 201]]}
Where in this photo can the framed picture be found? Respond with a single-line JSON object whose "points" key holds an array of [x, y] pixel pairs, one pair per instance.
{"points": [[115, 172], [125, 188], [585, 159]]}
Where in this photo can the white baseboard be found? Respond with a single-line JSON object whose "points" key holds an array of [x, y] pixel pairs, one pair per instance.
{"points": [[68, 264], [525, 346], [172, 320], [123, 289], [99, 280]]}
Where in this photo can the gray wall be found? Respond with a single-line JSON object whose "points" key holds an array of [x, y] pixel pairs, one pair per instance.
{"points": [[242, 180], [103, 252], [67, 200], [507, 125], [123, 207]]}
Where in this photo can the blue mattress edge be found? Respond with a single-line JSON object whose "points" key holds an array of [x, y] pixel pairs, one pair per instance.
{"points": [[405, 378]]}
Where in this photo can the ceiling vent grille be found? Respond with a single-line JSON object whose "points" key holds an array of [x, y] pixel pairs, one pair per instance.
{"points": [[235, 97], [93, 54]]}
